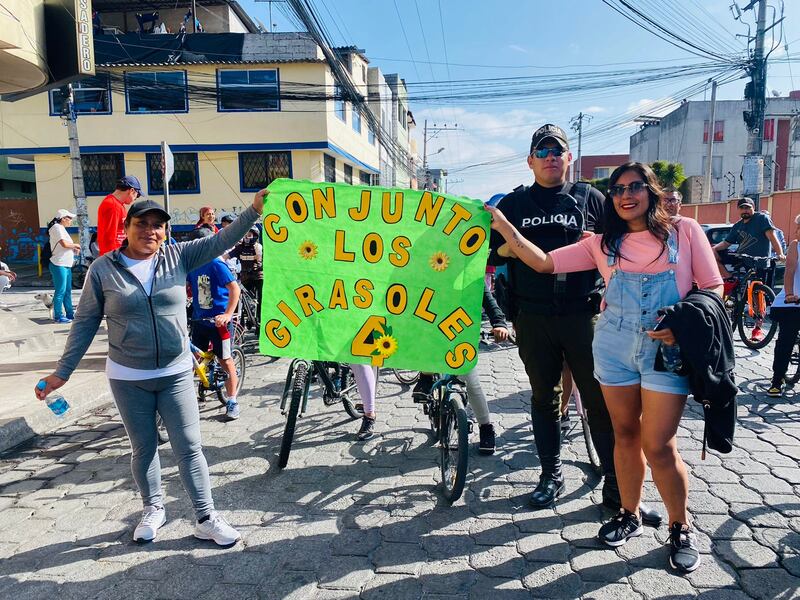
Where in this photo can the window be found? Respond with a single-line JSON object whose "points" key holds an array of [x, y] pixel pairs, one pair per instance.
{"points": [[716, 167], [348, 174], [339, 106], [156, 92], [101, 172], [256, 90], [371, 135], [769, 130], [719, 131], [601, 172], [401, 114], [356, 112], [185, 179], [716, 196], [769, 166], [364, 178], [330, 168], [26, 187], [258, 169], [91, 95]]}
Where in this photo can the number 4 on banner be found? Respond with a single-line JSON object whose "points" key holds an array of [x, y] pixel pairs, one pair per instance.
{"points": [[362, 347]]}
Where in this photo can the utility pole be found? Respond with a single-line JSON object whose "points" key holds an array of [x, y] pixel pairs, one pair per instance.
{"points": [[710, 146], [78, 189], [577, 125], [194, 16], [756, 92], [435, 130]]}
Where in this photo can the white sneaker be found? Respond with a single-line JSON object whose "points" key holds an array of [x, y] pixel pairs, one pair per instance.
{"points": [[153, 517], [217, 529]]}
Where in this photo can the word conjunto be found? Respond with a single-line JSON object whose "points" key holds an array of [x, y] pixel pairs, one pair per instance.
{"points": [[372, 249]]}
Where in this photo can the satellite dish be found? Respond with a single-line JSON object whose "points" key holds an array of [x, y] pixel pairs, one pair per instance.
{"points": [[776, 94]]}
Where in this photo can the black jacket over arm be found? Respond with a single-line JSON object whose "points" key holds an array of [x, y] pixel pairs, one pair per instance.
{"points": [[702, 329]]}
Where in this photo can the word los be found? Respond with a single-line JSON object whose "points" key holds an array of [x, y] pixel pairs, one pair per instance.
{"points": [[396, 303]]}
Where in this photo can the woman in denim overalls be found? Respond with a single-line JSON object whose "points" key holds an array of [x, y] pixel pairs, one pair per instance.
{"points": [[648, 261]]}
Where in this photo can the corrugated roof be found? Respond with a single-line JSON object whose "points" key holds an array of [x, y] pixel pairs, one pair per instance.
{"points": [[210, 62]]}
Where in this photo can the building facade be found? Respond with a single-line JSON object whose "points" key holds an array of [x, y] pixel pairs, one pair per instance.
{"points": [[597, 166], [237, 110], [682, 137]]}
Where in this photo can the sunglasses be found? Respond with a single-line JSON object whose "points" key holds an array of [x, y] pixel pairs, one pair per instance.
{"points": [[545, 152], [635, 187]]}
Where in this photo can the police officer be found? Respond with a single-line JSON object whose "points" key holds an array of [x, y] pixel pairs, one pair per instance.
{"points": [[554, 315]]}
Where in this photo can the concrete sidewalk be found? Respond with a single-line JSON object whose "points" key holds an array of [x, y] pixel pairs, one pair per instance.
{"points": [[30, 345]]}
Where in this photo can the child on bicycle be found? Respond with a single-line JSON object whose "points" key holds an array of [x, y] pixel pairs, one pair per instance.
{"points": [[215, 295], [648, 261]]}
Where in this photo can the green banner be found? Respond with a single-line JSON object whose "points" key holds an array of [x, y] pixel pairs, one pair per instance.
{"points": [[388, 277]]}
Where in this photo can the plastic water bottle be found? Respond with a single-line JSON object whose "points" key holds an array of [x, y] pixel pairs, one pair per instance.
{"points": [[672, 357], [55, 402]]}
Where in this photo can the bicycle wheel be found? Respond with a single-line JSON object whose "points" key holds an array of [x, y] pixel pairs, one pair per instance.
{"points": [[793, 372], [594, 459], [454, 447], [351, 401], [163, 436], [406, 377], [757, 331], [237, 355], [298, 390]]}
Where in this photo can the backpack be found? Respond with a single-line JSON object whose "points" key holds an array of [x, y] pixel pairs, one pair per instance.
{"points": [[47, 249]]}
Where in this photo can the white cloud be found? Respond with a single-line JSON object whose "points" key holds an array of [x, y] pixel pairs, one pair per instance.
{"points": [[516, 48], [595, 109]]}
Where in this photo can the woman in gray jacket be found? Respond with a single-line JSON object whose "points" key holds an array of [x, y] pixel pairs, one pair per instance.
{"points": [[140, 289]]}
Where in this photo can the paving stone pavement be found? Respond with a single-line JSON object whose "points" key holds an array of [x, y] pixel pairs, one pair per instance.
{"points": [[347, 520]]}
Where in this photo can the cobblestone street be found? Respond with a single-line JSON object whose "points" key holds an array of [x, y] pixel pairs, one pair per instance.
{"points": [[347, 520]]}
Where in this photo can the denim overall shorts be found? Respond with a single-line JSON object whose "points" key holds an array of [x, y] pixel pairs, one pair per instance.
{"points": [[623, 352]]}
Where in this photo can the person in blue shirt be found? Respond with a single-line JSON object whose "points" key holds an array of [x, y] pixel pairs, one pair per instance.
{"points": [[215, 295]]}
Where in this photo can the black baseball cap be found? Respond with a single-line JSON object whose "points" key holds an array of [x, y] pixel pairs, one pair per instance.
{"points": [[140, 207], [549, 132], [746, 202], [226, 218]]}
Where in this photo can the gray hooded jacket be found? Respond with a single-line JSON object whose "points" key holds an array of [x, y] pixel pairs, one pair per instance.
{"points": [[144, 332]]}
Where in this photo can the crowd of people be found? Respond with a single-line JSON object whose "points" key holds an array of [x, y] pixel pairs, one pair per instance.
{"points": [[589, 278]]}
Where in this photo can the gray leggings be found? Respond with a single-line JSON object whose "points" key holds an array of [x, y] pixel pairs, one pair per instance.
{"points": [[174, 399], [476, 397]]}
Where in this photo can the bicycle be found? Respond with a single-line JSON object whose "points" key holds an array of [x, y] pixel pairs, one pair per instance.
{"points": [[338, 385], [583, 418], [405, 376], [247, 317], [748, 300], [445, 407]]}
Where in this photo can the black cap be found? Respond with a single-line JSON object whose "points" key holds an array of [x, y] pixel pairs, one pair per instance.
{"points": [[226, 218], [140, 207], [746, 202], [201, 232], [549, 131]]}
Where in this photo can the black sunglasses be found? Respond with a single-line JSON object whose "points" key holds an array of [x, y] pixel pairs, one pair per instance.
{"points": [[635, 187], [545, 152]]}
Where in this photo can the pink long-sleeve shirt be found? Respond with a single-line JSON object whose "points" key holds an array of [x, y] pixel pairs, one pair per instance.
{"points": [[696, 262]]}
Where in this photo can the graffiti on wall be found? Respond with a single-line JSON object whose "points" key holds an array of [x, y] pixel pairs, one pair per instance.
{"points": [[19, 230], [191, 214]]}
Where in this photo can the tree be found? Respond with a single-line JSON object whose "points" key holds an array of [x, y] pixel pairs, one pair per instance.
{"points": [[670, 175], [600, 184]]}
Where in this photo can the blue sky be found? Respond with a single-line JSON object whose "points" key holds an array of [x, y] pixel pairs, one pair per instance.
{"points": [[526, 38]]}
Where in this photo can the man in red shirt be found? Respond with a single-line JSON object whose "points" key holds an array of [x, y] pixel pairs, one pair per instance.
{"points": [[111, 213]]}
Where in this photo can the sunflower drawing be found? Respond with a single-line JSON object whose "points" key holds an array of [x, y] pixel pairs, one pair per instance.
{"points": [[308, 250], [439, 261], [386, 345]]}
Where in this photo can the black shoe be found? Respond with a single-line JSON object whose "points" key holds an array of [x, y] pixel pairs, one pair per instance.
{"points": [[367, 429], [486, 443], [565, 420], [683, 553], [547, 492], [611, 500], [622, 527], [422, 391]]}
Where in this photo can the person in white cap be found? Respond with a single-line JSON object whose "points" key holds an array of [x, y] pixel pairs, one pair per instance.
{"points": [[61, 260]]}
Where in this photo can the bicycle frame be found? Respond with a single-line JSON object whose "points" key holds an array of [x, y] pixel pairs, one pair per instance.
{"points": [[317, 371]]}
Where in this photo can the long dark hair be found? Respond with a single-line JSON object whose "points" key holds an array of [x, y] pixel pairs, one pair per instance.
{"points": [[615, 227]]}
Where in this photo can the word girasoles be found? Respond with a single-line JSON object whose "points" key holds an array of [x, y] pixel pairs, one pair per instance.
{"points": [[396, 302]]}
